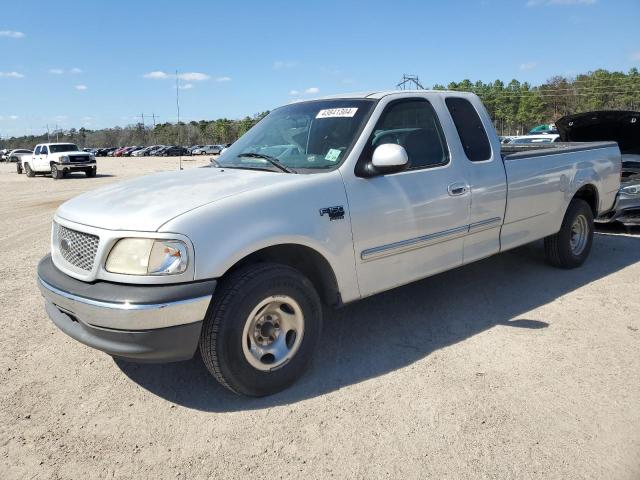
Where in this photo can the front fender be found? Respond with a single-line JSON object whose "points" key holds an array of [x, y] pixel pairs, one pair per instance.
{"points": [[226, 231]]}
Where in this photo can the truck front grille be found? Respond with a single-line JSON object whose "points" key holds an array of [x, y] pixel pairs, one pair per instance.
{"points": [[79, 159], [77, 248]]}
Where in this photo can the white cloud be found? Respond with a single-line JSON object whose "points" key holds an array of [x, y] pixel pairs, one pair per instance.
{"points": [[294, 92], [186, 86], [87, 119], [635, 56], [60, 118], [56, 71], [280, 64], [11, 34], [157, 75], [528, 65], [223, 79], [80, 87], [193, 76], [76, 70], [13, 117], [539, 3], [312, 90], [11, 75]]}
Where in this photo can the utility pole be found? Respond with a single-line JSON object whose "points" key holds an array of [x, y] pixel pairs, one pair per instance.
{"points": [[178, 110], [408, 80], [48, 137], [57, 133]]}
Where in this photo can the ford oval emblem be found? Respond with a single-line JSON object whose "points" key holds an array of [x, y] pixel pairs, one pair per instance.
{"points": [[65, 245]]}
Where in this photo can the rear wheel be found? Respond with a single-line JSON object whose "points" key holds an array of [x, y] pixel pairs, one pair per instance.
{"points": [[19, 168], [570, 247], [29, 171], [262, 330]]}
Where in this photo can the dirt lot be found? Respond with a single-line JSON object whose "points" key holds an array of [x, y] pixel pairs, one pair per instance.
{"points": [[506, 368]]}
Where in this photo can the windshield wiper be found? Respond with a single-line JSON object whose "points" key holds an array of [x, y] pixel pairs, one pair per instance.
{"points": [[273, 161]]}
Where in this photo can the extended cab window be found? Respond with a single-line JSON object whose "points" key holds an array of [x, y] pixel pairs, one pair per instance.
{"points": [[470, 129], [44, 150], [414, 125]]}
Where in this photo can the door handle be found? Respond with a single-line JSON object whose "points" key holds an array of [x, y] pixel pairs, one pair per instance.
{"points": [[457, 189]]}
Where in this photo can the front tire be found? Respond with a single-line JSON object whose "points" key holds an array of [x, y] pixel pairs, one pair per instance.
{"points": [[262, 330], [30, 173], [56, 173], [91, 172], [570, 247]]}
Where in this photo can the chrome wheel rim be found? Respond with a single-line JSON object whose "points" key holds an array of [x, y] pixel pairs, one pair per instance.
{"points": [[273, 332], [579, 235]]}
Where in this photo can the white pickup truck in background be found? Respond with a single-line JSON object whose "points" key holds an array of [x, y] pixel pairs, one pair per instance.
{"points": [[322, 203], [58, 159]]}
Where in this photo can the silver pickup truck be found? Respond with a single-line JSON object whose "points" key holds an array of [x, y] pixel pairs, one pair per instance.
{"points": [[323, 202]]}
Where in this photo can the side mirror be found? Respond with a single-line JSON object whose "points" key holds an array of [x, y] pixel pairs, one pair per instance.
{"points": [[389, 157]]}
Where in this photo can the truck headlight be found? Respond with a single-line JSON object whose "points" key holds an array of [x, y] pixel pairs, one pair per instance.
{"points": [[146, 256], [64, 159], [631, 190]]}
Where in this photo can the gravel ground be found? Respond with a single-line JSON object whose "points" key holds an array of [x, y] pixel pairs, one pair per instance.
{"points": [[506, 368]]}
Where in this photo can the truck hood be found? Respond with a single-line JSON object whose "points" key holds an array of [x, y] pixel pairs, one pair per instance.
{"points": [[146, 203], [614, 125]]}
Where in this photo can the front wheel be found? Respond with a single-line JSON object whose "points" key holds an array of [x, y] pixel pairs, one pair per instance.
{"points": [[29, 171], [91, 172], [56, 173], [570, 247], [262, 329]]}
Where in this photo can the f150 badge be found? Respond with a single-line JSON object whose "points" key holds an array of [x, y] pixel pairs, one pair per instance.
{"points": [[335, 213]]}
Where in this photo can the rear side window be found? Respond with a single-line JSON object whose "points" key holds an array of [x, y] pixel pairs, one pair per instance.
{"points": [[44, 150], [470, 129], [37, 152]]}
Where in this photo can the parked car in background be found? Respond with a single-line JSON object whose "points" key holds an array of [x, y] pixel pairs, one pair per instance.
{"points": [[174, 151], [118, 152], [545, 138], [207, 150], [4, 154], [622, 127], [139, 152], [59, 159], [17, 155], [194, 147]]}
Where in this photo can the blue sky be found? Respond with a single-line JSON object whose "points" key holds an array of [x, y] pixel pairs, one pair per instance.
{"points": [[100, 63]]}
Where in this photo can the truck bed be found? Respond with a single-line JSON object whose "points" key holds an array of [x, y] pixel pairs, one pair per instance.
{"points": [[527, 150]]}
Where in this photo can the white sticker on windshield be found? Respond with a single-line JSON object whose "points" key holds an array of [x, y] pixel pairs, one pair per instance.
{"points": [[336, 112], [332, 155]]}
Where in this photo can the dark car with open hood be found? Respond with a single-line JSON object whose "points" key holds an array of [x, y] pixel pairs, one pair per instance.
{"points": [[618, 126]]}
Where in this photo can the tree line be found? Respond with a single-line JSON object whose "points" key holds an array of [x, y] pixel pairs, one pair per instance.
{"points": [[514, 107]]}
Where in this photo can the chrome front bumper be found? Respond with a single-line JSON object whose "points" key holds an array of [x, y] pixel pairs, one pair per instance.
{"points": [[125, 315], [158, 323]]}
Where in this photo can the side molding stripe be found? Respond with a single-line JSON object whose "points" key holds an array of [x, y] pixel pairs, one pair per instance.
{"points": [[427, 240]]}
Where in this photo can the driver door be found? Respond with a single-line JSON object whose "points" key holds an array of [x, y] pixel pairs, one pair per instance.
{"points": [[410, 224]]}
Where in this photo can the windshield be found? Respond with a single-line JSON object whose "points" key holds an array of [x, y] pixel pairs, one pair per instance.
{"points": [[64, 147], [304, 137]]}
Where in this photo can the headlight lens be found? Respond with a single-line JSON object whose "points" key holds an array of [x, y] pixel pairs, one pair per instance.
{"points": [[631, 190], [64, 159], [146, 256]]}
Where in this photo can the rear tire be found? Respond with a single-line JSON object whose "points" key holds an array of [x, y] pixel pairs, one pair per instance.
{"points": [[259, 309], [19, 168], [570, 247], [30, 173]]}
